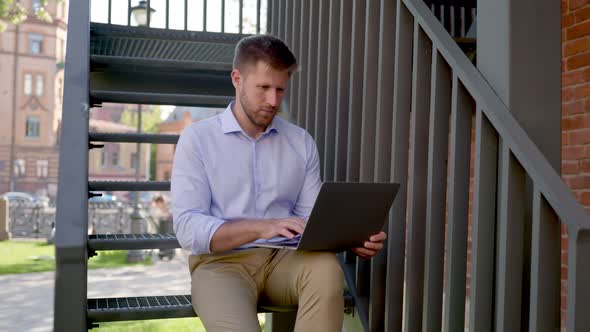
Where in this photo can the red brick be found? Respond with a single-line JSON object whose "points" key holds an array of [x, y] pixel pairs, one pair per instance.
{"points": [[579, 137], [568, 20], [584, 165], [572, 108], [578, 61], [567, 94], [577, 46], [578, 182], [576, 122], [582, 14], [570, 167], [578, 30], [584, 198], [563, 6], [577, 76], [575, 152], [573, 4], [564, 140]]}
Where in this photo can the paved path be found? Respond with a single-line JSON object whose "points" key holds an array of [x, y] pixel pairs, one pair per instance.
{"points": [[26, 300]]}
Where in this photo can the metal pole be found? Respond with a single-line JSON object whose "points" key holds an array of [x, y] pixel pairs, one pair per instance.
{"points": [[134, 256]]}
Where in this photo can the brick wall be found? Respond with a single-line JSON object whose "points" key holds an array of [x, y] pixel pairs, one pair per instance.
{"points": [[575, 68]]}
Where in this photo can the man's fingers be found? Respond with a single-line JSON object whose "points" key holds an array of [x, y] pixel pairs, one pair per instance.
{"points": [[364, 251], [373, 245], [285, 232], [381, 236]]}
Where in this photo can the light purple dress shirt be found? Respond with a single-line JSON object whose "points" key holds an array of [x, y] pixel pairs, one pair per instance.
{"points": [[222, 174]]}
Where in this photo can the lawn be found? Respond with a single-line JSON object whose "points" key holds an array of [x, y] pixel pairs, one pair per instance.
{"points": [[37, 256], [162, 325]]}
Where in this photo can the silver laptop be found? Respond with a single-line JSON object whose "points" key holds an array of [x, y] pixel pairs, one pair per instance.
{"points": [[344, 215]]}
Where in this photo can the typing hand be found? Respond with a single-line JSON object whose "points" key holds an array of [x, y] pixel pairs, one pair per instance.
{"points": [[287, 227], [372, 246]]}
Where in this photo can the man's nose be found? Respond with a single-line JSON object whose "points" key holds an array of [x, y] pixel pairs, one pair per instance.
{"points": [[272, 98]]}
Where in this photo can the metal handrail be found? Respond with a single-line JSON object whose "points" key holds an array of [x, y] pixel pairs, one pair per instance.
{"points": [[528, 154]]}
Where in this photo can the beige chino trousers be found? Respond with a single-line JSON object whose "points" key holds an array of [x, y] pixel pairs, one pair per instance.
{"points": [[227, 287]]}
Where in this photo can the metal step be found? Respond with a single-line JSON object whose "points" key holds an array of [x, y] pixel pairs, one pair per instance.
{"points": [[154, 98], [159, 307], [128, 186], [98, 242], [133, 138]]}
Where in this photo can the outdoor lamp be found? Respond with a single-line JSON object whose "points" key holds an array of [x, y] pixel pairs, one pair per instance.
{"points": [[139, 12]]}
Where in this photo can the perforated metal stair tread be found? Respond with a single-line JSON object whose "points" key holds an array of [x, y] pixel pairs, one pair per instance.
{"points": [[132, 241], [128, 185], [155, 98], [133, 138], [158, 307]]}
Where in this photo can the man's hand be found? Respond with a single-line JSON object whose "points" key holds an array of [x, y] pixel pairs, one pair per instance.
{"points": [[287, 227], [372, 246]]}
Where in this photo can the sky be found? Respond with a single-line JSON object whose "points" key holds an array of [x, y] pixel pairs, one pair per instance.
{"points": [[99, 13]]}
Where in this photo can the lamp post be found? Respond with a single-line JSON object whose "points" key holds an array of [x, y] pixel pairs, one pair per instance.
{"points": [[139, 12]]}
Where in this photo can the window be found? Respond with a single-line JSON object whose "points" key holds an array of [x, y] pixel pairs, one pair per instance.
{"points": [[35, 43], [37, 6], [103, 157], [19, 167], [134, 160], [39, 85], [115, 159], [42, 168], [28, 84], [32, 126]]}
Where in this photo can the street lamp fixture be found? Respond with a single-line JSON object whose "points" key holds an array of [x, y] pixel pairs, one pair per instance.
{"points": [[139, 13]]}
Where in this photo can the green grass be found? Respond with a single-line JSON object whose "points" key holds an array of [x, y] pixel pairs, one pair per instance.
{"points": [[162, 325], [37, 256]]}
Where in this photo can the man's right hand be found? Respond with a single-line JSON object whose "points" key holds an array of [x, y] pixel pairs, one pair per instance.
{"points": [[287, 227]]}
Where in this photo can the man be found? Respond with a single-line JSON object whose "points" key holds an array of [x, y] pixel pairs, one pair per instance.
{"points": [[247, 176]]}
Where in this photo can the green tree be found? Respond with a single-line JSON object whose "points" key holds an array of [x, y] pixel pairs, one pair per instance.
{"points": [[12, 11], [150, 118]]}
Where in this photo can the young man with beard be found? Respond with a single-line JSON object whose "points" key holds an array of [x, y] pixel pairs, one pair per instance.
{"points": [[248, 176]]}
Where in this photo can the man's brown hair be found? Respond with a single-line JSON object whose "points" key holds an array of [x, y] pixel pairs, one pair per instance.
{"points": [[266, 48]]}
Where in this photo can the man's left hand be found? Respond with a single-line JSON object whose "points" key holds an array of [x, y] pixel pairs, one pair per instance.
{"points": [[372, 246]]}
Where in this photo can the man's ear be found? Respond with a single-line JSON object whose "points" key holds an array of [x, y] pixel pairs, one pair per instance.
{"points": [[236, 78]]}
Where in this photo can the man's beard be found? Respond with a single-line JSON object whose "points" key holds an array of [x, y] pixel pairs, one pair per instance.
{"points": [[248, 111]]}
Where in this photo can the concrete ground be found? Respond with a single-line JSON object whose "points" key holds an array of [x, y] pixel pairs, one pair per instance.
{"points": [[26, 300]]}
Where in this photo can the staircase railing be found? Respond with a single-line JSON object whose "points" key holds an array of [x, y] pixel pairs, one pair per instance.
{"points": [[405, 111]]}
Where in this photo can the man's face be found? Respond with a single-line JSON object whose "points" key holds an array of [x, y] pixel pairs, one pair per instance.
{"points": [[260, 89]]}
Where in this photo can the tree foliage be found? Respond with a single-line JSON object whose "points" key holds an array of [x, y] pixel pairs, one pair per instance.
{"points": [[12, 11]]}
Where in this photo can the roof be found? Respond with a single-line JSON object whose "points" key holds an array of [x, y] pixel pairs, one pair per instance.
{"points": [[108, 126]]}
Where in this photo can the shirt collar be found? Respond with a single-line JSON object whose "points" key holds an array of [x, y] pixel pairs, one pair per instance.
{"points": [[229, 123]]}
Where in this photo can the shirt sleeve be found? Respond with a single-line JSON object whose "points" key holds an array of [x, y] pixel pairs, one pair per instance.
{"points": [[311, 182], [191, 197]]}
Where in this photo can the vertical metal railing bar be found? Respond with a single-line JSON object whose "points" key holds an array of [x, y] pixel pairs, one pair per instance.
{"points": [[332, 91], [204, 15], [149, 13], [303, 49], [342, 107], [223, 15], [319, 104], [438, 151], [312, 67], [457, 19], [578, 274], [258, 9], [447, 16], [185, 15], [481, 291], [385, 87], [280, 18], [241, 16], [402, 101], [356, 86], [128, 12], [509, 253], [167, 14], [545, 267], [417, 180], [382, 151], [369, 91], [458, 209], [72, 205], [110, 10], [294, 84]]}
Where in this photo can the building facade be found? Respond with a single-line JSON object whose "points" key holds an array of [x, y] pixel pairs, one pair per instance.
{"points": [[32, 57]]}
